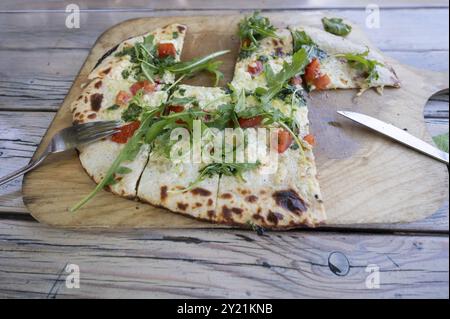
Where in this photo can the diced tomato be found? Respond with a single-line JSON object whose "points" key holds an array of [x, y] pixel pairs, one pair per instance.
{"points": [[296, 80], [313, 75], [146, 85], [166, 49], [310, 139], [255, 68], [284, 141], [125, 132], [176, 108], [312, 71], [250, 122], [322, 82], [123, 97]]}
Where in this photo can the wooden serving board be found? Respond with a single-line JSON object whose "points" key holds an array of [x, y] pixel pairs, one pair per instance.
{"points": [[364, 177]]}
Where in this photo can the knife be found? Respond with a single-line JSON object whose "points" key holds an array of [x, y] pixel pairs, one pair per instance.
{"points": [[397, 134]]}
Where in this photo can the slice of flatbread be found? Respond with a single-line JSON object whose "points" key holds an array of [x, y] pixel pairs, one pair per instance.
{"points": [[273, 51], [163, 180], [97, 102], [343, 75], [113, 64]]}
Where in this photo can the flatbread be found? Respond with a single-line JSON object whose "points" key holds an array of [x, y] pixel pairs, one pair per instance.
{"points": [[163, 180], [341, 74], [96, 100], [274, 50]]}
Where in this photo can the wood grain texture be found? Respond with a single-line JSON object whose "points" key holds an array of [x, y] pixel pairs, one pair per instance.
{"points": [[37, 75], [219, 263], [368, 162], [167, 5]]}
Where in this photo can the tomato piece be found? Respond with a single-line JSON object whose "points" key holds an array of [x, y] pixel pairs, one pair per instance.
{"points": [[322, 82], [250, 122], [296, 80], [310, 139], [313, 75], [176, 108], [125, 132], [146, 85], [255, 68], [312, 71], [284, 141], [166, 49], [123, 98]]}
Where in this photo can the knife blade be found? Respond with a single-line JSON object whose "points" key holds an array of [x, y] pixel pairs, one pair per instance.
{"points": [[397, 134]]}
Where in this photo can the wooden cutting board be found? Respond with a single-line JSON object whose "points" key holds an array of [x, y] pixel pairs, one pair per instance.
{"points": [[364, 177]]}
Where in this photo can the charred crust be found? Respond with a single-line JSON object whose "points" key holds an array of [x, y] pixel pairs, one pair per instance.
{"points": [[274, 217], [200, 191], [163, 193], [211, 213], [98, 84], [92, 116], [251, 198], [182, 206], [290, 200], [226, 196], [210, 202], [181, 28], [96, 101]]}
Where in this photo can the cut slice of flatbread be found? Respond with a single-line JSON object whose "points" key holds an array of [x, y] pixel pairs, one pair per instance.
{"points": [[163, 180], [343, 75], [273, 51], [113, 63], [97, 102], [287, 197]]}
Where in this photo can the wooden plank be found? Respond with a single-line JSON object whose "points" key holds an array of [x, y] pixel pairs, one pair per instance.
{"points": [[36, 75], [21, 132], [39, 80], [396, 33], [29, 5], [218, 263]]}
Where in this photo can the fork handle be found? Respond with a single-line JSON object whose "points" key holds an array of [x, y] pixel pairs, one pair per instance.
{"points": [[23, 170]]}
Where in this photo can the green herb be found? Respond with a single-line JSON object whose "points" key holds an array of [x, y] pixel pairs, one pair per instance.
{"points": [[128, 153], [132, 113], [336, 26], [361, 62], [253, 29], [277, 81], [123, 170], [303, 41], [126, 74], [223, 169], [256, 228], [441, 142], [180, 100], [205, 63], [113, 107], [174, 35]]}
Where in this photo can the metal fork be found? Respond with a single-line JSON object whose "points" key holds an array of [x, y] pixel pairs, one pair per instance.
{"points": [[67, 139]]}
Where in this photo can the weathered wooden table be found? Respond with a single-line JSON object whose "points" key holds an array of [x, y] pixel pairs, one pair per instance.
{"points": [[39, 58]]}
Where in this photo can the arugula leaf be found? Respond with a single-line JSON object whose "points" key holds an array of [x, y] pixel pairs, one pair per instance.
{"points": [[336, 26], [128, 153], [303, 41], [124, 170], [223, 169], [113, 107], [361, 62], [132, 112], [204, 63], [253, 29], [277, 81], [441, 142]]}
